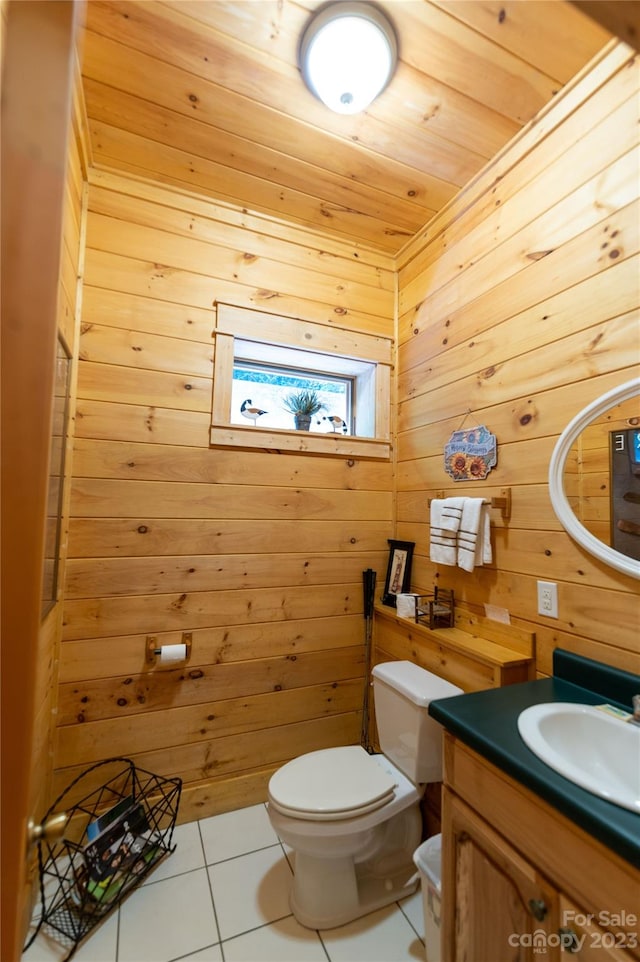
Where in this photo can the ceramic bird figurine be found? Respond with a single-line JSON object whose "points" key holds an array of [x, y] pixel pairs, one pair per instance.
{"points": [[252, 413], [337, 424]]}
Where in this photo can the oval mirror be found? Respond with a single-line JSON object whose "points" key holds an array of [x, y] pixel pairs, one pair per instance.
{"points": [[631, 448]]}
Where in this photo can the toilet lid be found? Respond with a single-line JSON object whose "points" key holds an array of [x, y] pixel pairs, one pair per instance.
{"points": [[330, 784]]}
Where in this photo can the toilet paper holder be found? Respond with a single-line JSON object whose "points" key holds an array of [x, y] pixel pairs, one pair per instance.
{"points": [[154, 649]]}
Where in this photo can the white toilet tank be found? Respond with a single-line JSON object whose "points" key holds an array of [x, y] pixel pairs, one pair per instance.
{"points": [[408, 736]]}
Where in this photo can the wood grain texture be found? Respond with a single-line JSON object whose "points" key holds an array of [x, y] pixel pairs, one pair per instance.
{"points": [[41, 254], [519, 332], [488, 801], [513, 301], [258, 554], [208, 96]]}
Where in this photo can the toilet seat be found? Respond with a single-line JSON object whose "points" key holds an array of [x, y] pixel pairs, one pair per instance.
{"points": [[331, 784]]}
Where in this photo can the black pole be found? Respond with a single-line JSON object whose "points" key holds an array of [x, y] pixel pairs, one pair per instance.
{"points": [[368, 592], [368, 588]]}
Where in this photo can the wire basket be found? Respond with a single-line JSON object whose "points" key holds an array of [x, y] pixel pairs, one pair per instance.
{"points": [[115, 836]]}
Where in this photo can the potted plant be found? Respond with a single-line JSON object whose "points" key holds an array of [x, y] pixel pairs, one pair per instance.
{"points": [[303, 405]]}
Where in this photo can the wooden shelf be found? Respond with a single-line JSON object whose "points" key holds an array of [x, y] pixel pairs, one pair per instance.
{"points": [[488, 655]]}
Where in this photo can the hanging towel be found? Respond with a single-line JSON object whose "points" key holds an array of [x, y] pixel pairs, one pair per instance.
{"points": [[442, 547], [451, 514], [474, 535], [484, 535]]}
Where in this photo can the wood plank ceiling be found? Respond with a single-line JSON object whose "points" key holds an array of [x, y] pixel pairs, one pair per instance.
{"points": [[207, 95]]}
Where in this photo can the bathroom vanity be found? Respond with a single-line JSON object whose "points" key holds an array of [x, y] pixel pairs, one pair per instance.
{"points": [[534, 867]]}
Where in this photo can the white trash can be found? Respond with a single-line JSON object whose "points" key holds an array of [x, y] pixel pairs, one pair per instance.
{"points": [[428, 860]]}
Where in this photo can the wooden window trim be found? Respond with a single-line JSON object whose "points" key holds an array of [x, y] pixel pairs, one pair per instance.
{"points": [[290, 332]]}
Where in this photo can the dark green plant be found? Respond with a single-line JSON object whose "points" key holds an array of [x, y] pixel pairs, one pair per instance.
{"points": [[303, 402]]}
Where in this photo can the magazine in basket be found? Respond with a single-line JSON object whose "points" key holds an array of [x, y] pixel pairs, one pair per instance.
{"points": [[122, 848]]}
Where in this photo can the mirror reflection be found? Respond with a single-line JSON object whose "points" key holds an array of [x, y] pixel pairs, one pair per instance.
{"points": [[602, 478]]}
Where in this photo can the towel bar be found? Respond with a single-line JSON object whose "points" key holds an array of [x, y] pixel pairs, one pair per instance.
{"points": [[503, 502]]}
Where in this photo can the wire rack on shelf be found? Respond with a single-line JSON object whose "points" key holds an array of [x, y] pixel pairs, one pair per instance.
{"points": [[115, 835]]}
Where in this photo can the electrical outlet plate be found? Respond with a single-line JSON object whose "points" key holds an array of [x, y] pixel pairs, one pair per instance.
{"points": [[548, 599]]}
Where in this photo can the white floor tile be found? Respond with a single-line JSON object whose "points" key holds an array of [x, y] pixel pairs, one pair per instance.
{"points": [[44, 950], [53, 882], [236, 833], [282, 941], [211, 954], [382, 936], [167, 920], [413, 909], [251, 890], [171, 918], [100, 946], [187, 857]]}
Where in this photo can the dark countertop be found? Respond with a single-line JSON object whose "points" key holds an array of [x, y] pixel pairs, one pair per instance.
{"points": [[486, 721]]}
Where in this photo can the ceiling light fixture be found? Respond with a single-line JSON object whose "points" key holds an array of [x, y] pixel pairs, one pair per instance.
{"points": [[348, 53]]}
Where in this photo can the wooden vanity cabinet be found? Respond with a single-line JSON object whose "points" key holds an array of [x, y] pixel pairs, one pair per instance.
{"points": [[520, 881], [502, 903], [590, 941]]}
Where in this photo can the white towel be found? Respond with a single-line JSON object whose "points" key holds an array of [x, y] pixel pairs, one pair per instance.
{"points": [[442, 547], [474, 535], [451, 514]]}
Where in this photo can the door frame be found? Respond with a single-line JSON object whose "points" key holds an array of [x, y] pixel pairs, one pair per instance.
{"points": [[37, 77]]}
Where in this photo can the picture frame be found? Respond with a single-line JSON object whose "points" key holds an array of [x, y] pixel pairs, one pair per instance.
{"points": [[398, 579]]}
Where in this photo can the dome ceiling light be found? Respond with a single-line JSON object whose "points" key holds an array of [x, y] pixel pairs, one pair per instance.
{"points": [[348, 53]]}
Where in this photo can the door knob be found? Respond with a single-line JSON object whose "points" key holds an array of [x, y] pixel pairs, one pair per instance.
{"points": [[51, 830], [538, 909], [569, 941]]}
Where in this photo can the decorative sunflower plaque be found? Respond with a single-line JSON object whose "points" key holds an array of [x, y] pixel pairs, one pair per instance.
{"points": [[469, 455]]}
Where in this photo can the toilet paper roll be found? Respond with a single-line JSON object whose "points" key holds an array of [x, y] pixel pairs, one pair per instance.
{"points": [[171, 654]]}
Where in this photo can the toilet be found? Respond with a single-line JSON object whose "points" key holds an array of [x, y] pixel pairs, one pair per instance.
{"points": [[352, 819]]}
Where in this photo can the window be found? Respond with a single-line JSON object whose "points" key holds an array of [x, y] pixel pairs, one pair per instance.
{"points": [[266, 389], [260, 361]]}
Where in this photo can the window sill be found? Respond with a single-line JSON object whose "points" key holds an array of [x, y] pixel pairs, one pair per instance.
{"points": [[302, 442]]}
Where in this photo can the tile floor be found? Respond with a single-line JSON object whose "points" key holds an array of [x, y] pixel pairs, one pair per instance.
{"points": [[222, 896]]}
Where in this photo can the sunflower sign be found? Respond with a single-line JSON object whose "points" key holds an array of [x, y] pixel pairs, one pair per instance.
{"points": [[469, 455]]}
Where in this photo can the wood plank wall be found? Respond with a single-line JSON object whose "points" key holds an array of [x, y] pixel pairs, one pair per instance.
{"points": [[518, 306], [258, 553]]}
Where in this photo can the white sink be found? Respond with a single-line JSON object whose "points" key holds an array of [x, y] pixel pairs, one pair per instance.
{"points": [[589, 747]]}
